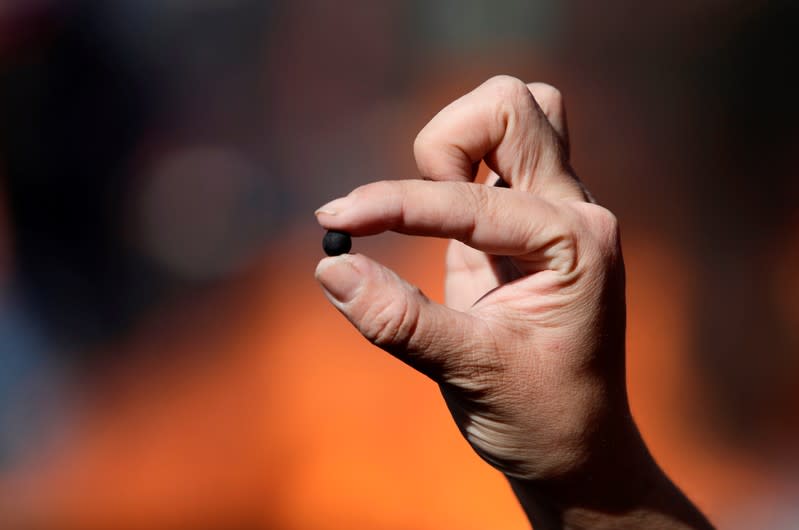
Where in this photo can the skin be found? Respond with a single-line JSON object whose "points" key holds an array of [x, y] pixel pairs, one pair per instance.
{"points": [[528, 349]]}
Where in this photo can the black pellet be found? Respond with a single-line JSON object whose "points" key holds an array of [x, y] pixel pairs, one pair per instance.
{"points": [[336, 243]]}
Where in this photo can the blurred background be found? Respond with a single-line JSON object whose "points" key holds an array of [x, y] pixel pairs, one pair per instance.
{"points": [[166, 358]]}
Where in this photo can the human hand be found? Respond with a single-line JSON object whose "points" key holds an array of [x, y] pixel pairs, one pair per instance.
{"points": [[529, 348]]}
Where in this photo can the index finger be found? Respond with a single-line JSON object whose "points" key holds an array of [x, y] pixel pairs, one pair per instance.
{"points": [[494, 220]]}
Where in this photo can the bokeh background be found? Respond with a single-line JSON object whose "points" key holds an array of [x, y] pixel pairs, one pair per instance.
{"points": [[166, 358]]}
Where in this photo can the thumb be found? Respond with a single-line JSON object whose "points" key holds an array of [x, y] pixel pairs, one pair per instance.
{"points": [[448, 346]]}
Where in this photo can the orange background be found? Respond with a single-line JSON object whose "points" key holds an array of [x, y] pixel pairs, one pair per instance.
{"points": [[242, 399]]}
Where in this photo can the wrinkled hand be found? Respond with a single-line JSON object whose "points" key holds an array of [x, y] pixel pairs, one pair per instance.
{"points": [[529, 348]]}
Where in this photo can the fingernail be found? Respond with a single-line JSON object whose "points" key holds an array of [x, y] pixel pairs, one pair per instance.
{"points": [[339, 278], [334, 207]]}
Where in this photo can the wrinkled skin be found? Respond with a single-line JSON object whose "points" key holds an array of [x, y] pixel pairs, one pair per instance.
{"points": [[528, 348]]}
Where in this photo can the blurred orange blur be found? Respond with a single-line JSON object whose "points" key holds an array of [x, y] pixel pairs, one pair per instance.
{"points": [[258, 407]]}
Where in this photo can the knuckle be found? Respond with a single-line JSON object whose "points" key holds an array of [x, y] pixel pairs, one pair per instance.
{"points": [[477, 197], [391, 324], [511, 98], [478, 204], [607, 223], [603, 224], [508, 87], [547, 96]]}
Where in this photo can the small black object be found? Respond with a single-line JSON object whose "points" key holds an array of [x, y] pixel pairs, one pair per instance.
{"points": [[336, 243]]}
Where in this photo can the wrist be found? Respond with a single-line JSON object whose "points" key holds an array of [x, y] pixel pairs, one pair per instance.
{"points": [[621, 486]]}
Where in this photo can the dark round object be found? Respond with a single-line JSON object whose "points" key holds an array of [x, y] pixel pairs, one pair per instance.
{"points": [[336, 243]]}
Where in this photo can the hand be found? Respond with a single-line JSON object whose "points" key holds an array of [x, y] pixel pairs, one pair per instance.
{"points": [[529, 348]]}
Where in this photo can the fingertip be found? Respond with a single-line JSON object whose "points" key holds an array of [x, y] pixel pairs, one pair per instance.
{"points": [[326, 263], [357, 261], [341, 276]]}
